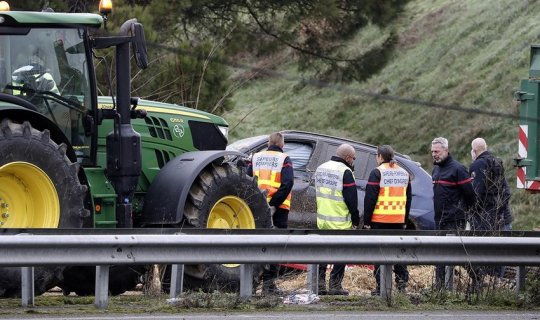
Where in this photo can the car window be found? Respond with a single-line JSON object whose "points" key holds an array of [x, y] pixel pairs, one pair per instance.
{"points": [[330, 151], [299, 154], [371, 164], [404, 166], [361, 165]]}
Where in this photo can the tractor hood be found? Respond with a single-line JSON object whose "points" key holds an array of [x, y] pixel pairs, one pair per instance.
{"points": [[168, 109]]}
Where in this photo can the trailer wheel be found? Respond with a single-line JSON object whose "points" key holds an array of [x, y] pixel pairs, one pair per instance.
{"points": [[224, 197], [39, 188]]}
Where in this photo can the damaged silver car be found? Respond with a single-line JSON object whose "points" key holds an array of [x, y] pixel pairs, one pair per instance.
{"points": [[308, 150]]}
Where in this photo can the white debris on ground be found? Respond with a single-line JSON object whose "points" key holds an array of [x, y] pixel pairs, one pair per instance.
{"points": [[301, 298]]}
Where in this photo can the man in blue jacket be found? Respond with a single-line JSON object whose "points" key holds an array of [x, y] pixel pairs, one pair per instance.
{"points": [[453, 195]]}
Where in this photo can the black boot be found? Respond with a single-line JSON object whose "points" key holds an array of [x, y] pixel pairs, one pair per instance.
{"points": [[322, 288], [336, 277], [337, 290]]}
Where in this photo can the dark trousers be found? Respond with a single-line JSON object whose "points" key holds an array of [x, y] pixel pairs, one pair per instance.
{"points": [[280, 220], [400, 271], [478, 273], [336, 276], [440, 270]]}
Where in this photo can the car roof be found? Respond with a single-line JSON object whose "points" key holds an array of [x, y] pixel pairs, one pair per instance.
{"points": [[297, 134], [247, 145]]}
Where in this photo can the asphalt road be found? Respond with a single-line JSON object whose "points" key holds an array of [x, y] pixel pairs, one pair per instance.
{"points": [[431, 315]]}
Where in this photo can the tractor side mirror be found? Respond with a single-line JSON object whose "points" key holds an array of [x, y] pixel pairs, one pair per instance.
{"points": [[138, 43]]}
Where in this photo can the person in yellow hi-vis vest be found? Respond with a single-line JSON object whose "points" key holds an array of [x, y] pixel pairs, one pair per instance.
{"points": [[275, 175], [387, 203], [337, 207], [31, 78]]}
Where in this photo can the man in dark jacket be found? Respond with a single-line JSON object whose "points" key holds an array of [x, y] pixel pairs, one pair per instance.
{"points": [[275, 175], [492, 211], [453, 194], [388, 184]]}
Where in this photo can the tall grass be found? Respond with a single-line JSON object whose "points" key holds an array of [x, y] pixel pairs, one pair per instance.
{"points": [[471, 53]]}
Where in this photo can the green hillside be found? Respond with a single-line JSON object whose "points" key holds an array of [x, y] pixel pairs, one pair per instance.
{"points": [[470, 53]]}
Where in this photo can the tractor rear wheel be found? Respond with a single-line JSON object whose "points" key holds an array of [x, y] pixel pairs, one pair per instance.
{"points": [[39, 188], [224, 197]]}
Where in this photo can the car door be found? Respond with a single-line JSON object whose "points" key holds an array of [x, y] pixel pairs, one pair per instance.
{"points": [[303, 203], [363, 165]]}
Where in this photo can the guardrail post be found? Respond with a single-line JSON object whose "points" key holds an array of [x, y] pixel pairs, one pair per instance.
{"points": [[449, 272], [313, 278], [246, 281], [177, 280], [27, 287], [449, 278], [520, 279], [102, 287], [385, 272]]}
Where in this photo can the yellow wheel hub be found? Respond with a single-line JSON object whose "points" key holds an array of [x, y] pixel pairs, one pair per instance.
{"points": [[231, 212], [28, 198]]}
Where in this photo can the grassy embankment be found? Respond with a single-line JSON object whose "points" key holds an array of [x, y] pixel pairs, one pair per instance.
{"points": [[471, 53]]}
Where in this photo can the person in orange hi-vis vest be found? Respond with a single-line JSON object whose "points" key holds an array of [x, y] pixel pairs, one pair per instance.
{"points": [[387, 204], [275, 175]]}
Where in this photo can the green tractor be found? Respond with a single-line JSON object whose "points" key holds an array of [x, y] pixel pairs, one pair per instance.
{"points": [[71, 159]]}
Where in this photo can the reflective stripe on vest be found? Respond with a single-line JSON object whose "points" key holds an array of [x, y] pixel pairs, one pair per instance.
{"points": [[332, 212], [267, 167], [390, 206]]}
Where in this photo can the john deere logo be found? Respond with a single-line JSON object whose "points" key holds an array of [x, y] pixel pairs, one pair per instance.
{"points": [[178, 130]]}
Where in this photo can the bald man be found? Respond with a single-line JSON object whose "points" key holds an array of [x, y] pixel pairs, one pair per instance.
{"points": [[492, 211], [337, 207]]}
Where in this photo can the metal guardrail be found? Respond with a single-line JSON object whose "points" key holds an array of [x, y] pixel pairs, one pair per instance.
{"points": [[26, 250], [29, 250]]}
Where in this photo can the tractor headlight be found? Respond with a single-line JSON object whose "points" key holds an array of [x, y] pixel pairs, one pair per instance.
{"points": [[224, 131]]}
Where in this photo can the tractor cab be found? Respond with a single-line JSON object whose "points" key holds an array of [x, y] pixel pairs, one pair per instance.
{"points": [[46, 60]]}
